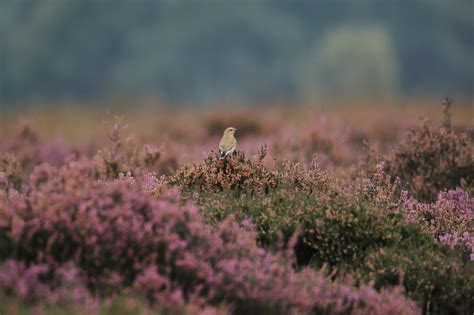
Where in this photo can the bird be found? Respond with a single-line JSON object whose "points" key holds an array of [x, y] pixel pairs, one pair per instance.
{"points": [[228, 142]]}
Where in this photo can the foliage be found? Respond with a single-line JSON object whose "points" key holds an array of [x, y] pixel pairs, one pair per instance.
{"points": [[275, 232], [353, 62], [366, 236], [115, 236], [252, 177], [431, 159]]}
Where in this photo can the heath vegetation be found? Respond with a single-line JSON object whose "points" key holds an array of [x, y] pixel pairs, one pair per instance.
{"points": [[309, 216]]}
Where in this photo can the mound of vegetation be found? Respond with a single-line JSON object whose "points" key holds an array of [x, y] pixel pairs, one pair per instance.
{"points": [[429, 160], [238, 235], [359, 233], [71, 237], [245, 176]]}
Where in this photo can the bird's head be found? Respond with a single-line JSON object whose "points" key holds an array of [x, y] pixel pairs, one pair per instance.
{"points": [[230, 131]]}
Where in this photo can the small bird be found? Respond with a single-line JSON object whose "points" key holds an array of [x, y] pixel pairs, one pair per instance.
{"points": [[228, 142]]}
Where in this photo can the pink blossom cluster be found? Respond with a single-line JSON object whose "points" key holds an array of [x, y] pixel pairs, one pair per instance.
{"points": [[454, 239], [32, 284], [449, 218]]}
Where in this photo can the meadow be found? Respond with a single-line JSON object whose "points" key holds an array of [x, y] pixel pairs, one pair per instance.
{"points": [[367, 209]]}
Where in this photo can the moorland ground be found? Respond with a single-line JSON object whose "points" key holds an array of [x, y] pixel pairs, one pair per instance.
{"points": [[360, 209]]}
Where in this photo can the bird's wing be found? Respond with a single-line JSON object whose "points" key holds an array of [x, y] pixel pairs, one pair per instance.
{"points": [[225, 146], [222, 146]]}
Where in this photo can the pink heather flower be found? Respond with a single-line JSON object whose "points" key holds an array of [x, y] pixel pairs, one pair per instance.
{"points": [[3, 178], [380, 167], [449, 219], [450, 240], [150, 182]]}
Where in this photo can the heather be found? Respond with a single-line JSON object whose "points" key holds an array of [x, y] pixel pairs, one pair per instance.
{"points": [[430, 159], [311, 215], [368, 232], [114, 236]]}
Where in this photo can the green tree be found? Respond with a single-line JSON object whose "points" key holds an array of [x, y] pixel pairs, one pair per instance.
{"points": [[351, 62]]}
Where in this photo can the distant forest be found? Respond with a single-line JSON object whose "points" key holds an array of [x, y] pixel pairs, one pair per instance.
{"points": [[205, 51]]}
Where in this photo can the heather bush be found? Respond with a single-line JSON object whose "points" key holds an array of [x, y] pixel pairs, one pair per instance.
{"points": [[333, 217], [115, 236], [440, 279], [430, 159], [436, 277], [169, 228], [123, 155], [450, 219], [334, 229], [39, 282], [358, 228], [27, 149], [236, 173], [245, 176]]}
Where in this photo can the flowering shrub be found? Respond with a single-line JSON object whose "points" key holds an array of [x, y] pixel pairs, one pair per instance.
{"points": [[300, 227], [360, 229], [432, 275], [115, 237], [123, 155], [26, 149], [33, 284], [429, 160], [449, 219], [243, 175], [333, 229], [235, 173]]}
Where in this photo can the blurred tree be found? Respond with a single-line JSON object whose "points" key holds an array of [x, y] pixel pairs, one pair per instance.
{"points": [[351, 62]]}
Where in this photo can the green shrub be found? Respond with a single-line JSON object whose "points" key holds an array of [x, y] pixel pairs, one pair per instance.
{"points": [[433, 275], [334, 229], [352, 235]]}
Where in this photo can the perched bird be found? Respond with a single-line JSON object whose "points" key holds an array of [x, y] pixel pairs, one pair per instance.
{"points": [[228, 142]]}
